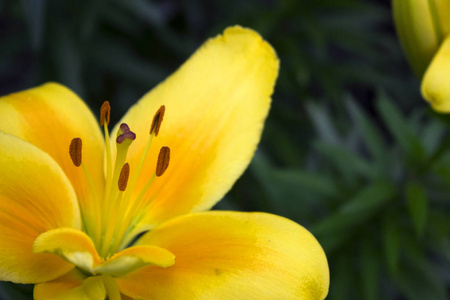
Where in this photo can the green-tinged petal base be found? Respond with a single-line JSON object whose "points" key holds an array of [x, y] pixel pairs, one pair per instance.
{"points": [[76, 247]]}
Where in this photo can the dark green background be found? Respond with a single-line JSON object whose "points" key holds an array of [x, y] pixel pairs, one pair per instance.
{"points": [[350, 150]]}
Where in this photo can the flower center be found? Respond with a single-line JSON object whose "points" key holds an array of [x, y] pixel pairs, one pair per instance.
{"points": [[110, 220]]}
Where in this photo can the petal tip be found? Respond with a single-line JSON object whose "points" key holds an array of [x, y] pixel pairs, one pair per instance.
{"points": [[251, 36]]}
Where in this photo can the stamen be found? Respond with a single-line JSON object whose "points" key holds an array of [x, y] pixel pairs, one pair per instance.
{"points": [[75, 151], [138, 203], [125, 134], [163, 161], [123, 177], [157, 120], [105, 112]]}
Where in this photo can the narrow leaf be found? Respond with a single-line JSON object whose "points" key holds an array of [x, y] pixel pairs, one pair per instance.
{"points": [[371, 134], [418, 206], [369, 271], [400, 129], [391, 243], [345, 160], [357, 210]]}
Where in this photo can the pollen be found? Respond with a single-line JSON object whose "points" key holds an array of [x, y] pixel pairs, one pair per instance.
{"points": [[157, 120], [105, 112], [163, 161], [123, 177], [75, 151]]}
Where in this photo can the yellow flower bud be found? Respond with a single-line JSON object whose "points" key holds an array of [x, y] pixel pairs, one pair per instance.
{"points": [[435, 83], [421, 26]]}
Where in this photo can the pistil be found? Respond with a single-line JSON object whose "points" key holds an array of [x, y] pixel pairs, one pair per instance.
{"points": [[113, 194]]}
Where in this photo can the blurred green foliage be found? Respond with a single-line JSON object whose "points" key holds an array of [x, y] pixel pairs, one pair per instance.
{"points": [[349, 151]]}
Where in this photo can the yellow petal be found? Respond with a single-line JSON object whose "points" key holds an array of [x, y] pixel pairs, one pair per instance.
{"points": [[435, 86], [72, 286], [50, 289], [231, 255], [134, 258], [421, 26], [75, 285], [215, 107], [49, 117], [71, 244], [35, 196]]}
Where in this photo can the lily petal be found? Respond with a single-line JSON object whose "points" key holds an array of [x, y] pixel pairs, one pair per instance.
{"points": [[215, 104], [73, 245], [75, 285], [232, 255], [435, 87], [29, 206], [72, 286], [49, 117]]}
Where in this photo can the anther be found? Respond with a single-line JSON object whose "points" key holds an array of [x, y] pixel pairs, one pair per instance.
{"points": [[105, 112], [157, 120], [123, 177], [163, 161], [75, 151], [124, 133]]}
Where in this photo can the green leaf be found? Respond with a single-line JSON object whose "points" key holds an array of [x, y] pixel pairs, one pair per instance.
{"points": [[391, 242], [417, 205], [342, 279], [291, 193], [322, 123], [369, 271], [420, 279], [347, 162], [370, 199], [357, 210], [432, 136], [400, 129], [371, 134], [317, 183], [438, 229]]}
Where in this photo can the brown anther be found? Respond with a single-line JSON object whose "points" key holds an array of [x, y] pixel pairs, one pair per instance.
{"points": [[123, 177], [105, 112], [125, 133], [75, 151], [163, 161], [157, 120]]}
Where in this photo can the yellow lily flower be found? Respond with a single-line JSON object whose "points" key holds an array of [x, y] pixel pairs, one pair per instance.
{"points": [[82, 218], [423, 27]]}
